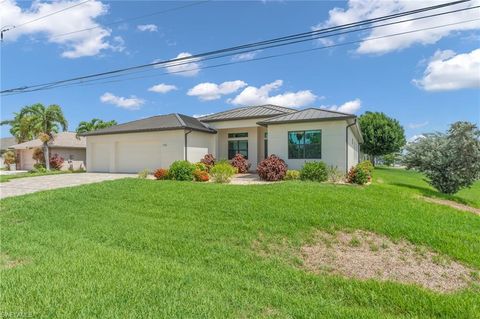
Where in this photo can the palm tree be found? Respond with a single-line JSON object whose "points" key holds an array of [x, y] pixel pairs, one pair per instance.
{"points": [[44, 122], [93, 125], [20, 128]]}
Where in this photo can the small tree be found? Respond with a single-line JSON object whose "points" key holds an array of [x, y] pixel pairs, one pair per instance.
{"points": [[381, 134], [9, 158], [451, 161], [38, 156]]}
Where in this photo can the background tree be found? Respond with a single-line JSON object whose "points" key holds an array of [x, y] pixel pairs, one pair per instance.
{"points": [[451, 161], [44, 122], [20, 127], [381, 134], [93, 125]]}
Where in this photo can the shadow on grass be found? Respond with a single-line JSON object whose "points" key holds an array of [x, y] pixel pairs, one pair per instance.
{"points": [[432, 193]]}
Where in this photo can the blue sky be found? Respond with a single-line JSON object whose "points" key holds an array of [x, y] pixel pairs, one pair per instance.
{"points": [[426, 80]]}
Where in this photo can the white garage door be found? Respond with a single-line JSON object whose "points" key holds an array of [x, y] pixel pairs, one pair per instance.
{"points": [[134, 157], [100, 158]]}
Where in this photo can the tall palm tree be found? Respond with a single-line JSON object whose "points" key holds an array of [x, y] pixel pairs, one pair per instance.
{"points": [[20, 128], [44, 122], [93, 125]]}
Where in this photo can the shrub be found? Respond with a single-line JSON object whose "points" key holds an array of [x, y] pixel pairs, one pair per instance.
{"points": [[334, 174], [143, 174], [161, 173], [451, 161], [273, 168], [38, 155], [292, 175], [9, 158], [240, 163], [209, 161], [201, 176], [366, 166], [181, 171], [56, 162], [358, 175], [314, 171], [201, 167], [222, 172]]}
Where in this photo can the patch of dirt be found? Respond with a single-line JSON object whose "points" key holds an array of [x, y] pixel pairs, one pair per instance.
{"points": [[366, 255], [6, 262], [452, 204]]}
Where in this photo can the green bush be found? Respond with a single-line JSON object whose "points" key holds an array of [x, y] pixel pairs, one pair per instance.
{"points": [[222, 172], [292, 175], [143, 174], [181, 171], [358, 175], [201, 167], [366, 166], [314, 171]]}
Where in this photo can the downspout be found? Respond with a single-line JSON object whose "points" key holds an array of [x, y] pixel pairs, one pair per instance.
{"points": [[346, 144], [186, 145]]}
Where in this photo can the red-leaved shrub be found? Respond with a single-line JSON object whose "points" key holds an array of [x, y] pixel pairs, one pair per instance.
{"points": [[272, 168], [240, 163], [209, 161], [201, 176], [161, 173], [56, 162]]}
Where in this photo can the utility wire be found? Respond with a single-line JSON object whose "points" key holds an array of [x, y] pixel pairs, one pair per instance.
{"points": [[132, 19], [257, 59], [296, 37]]}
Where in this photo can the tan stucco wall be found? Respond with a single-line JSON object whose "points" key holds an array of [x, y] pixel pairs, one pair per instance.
{"points": [[133, 152], [78, 157], [333, 142]]}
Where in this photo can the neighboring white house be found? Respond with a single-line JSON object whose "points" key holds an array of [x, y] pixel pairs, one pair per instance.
{"points": [[65, 144], [297, 136]]}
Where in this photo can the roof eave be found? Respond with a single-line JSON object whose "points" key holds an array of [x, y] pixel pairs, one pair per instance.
{"points": [[212, 131], [266, 123]]}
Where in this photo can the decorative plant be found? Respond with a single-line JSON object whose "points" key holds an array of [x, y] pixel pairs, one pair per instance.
{"points": [[367, 166], [201, 176], [222, 172], [292, 175], [314, 171], [201, 167], [161, 173], [335, 175], [143, 174], [56, 162], [181, 171], [9, 158], [38, 156], [272, 168], [358, 175], [209, 161], [240, 163]]}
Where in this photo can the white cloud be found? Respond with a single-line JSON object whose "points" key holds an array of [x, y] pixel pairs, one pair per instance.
{"points": [[131, 103], [186, 67], [147, 27], [450, 71], [415, 137], [358, 10], [210, 91], [254, 96], [75, 45], [245, 56], [417, 125], [162, 88], [348, 107]]}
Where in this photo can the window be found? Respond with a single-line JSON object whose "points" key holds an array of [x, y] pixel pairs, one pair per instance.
{"points": [[305, 144], [237, 147], [237, 135]]}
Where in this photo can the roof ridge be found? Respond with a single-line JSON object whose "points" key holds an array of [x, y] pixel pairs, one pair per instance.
{"points": [[179, 118], [226, 111], [331, 111]]}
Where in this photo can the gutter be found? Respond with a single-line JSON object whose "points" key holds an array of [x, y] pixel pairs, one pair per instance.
{"points": [[186, 139], [346, 143]]}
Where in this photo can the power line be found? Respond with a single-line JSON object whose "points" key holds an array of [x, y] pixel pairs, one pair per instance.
{"points": [[260, 58], [132, 19], [295, 38]]}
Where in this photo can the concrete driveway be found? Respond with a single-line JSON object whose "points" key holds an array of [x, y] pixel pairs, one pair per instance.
{"points": [[27, 185]]}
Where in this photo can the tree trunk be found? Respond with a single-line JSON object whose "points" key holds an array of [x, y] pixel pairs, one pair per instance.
{"points": [[46, 155]]}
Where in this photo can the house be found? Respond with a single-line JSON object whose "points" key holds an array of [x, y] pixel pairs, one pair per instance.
{"points": [[297, 136], [65, 144], [5, 143]]}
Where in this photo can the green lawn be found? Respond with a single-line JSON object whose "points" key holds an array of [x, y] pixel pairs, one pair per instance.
{"points": [[7, 178], [137, 248]]}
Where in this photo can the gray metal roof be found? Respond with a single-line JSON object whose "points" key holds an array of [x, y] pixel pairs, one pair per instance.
{"points": [[306, 115], [247, 112], [166, 122]]}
